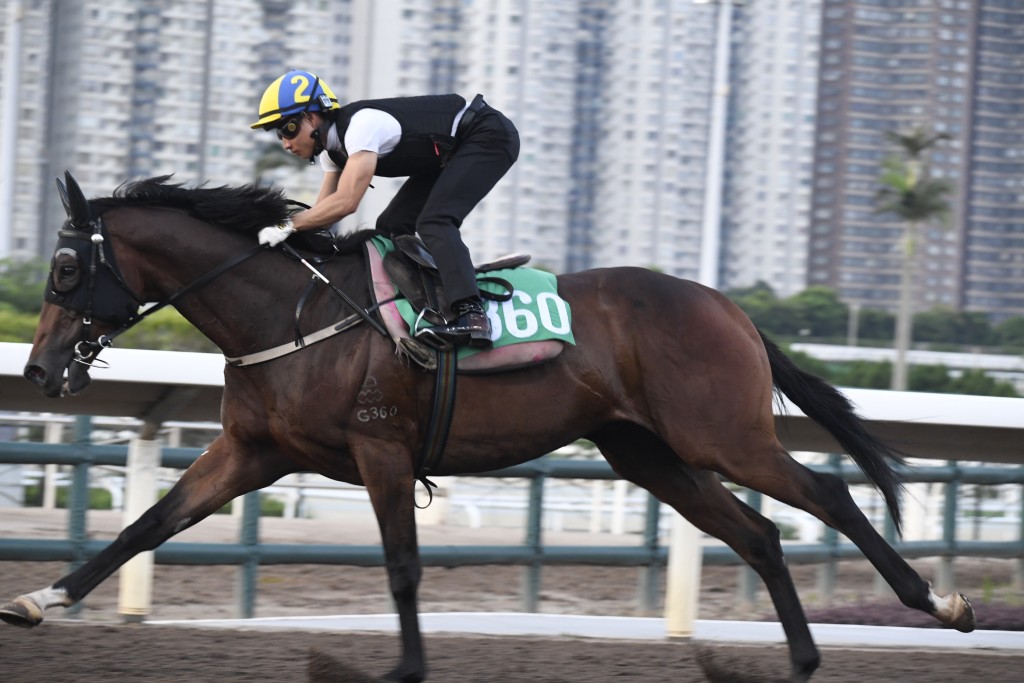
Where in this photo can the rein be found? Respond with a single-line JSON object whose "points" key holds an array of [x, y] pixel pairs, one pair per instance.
{"points": [[86, 349]]}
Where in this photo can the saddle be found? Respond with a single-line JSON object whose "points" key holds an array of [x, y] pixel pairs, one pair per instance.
{"points": [[414, 273]]}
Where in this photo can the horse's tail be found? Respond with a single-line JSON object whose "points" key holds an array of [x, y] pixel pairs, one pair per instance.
{"points": [[824, 404]]}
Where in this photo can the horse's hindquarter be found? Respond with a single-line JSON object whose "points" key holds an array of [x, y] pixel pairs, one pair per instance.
{"points": [[673, 356]]}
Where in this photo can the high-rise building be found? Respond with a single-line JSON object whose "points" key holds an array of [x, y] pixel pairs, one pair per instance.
{"points": [[951, 67], [116, 90], [771, 150], [32, 123], [589, 103], [613, 103], [653, 138], [521, 56]]}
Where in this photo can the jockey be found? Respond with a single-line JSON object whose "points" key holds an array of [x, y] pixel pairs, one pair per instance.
{"points": [[453, 153]]}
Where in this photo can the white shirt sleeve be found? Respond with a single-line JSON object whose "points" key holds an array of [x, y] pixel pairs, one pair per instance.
{"points": [[369, 130], [372, 130]]}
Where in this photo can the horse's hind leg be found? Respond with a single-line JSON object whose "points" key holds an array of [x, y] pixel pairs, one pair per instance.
{"points": [[698, 495], [775, 473], [218, 476]]}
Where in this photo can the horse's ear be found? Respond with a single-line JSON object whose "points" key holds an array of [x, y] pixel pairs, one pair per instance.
{"points": [[64, 197], [75, 203]]}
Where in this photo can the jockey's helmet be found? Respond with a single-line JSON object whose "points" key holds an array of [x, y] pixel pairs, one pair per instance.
{"points": [[294, 93]]}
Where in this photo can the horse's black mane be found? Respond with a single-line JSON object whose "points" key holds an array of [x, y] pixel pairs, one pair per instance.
{"points": [[244, 208]]}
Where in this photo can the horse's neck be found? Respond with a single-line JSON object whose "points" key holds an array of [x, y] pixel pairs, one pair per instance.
{"points": [[250, 307]]}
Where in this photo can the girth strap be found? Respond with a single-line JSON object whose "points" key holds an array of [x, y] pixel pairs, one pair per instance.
{"points": [[440, 418]]}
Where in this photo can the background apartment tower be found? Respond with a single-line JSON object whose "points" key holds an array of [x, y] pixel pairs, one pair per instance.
{"points": [[948, 66], [26, 136], [521, 55], [771, 144], [589, 103], [653, 139]]}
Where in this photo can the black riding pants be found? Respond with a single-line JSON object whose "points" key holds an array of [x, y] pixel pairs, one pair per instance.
{"points": [[435, 205]]}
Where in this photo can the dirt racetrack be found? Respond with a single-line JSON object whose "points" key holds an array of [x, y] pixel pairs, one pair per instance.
{"points": [[99, 648]]}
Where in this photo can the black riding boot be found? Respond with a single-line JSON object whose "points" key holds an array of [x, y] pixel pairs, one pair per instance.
{"points": [[470, 328]]}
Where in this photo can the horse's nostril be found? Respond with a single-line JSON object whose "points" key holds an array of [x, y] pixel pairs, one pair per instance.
{"points": [[34, 373]]}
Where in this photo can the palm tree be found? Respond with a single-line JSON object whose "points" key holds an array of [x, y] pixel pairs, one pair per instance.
{"points": [[908, 191]]}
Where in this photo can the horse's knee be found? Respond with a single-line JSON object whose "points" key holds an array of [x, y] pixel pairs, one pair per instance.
{"points": [[763, 551], [404, 579]]}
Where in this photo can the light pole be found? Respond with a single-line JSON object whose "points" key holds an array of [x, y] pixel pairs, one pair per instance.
{"points": [[711, 227]]}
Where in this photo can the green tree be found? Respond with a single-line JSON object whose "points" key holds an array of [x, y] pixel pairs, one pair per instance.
{"points": [[810, 364], [165, 330], [875, 324], [930, 378], [767, 311], [976, 382], [938, 379], [21, 285], [943, 325], [908, 192], [1010, 333], [17, 327], [819, 310], [864, 374]]}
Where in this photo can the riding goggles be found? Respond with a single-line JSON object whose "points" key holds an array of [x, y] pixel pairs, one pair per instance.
{"points": [[290, 128]]}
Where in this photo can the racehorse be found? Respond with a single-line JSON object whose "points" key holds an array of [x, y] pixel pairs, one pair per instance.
{"points": [[669, 379]]}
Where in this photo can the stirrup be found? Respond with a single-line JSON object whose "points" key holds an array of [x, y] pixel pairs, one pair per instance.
{"points": [[435, 341]]}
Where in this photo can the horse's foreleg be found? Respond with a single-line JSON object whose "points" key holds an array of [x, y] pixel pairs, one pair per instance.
{"points": [[701, 498], [217, 477], [390, 484]]}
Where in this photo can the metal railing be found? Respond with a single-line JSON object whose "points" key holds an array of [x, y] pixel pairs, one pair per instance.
{"points": [[532, 554]]}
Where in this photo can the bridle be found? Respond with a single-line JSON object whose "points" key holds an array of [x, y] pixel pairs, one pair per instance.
{"points": [[118, 304], [106, 296]]}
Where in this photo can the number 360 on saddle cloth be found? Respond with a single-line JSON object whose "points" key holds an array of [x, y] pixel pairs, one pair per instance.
{"points": [[531, 327]]}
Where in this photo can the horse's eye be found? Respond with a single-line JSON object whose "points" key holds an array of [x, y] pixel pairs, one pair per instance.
{"points": [[65, 271]]}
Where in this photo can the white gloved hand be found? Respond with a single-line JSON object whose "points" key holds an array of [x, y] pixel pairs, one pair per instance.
{"points": [[275, 234]]}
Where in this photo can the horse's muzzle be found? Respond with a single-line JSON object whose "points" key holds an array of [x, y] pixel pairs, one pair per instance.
{"points": [[53, 383]]}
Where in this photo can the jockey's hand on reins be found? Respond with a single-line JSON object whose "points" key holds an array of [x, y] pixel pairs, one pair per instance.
{"points": [[276, 234]]}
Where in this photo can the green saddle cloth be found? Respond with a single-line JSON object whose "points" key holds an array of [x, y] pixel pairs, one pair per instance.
{"points": [[534, 313]]}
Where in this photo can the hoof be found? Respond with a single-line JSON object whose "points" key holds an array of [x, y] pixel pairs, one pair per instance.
{"points": [[23, 612], [962, 618]]}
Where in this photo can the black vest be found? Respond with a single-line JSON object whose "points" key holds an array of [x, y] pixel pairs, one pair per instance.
{"points": [[426, 133]]}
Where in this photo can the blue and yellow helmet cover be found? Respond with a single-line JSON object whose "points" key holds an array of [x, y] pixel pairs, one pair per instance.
{"points": [[293, 93]]}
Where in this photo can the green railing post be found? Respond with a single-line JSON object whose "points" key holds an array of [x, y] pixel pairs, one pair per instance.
{"points": [[531, 575], [882, 587], [249, 536], [650, 578], [945, 578], [78, 498], [748, 579], [828, 570]]}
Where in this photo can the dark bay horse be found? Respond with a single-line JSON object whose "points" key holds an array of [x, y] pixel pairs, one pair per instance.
{"points": [[669, 378]]}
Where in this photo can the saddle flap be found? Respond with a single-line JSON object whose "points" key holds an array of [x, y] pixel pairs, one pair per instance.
{"points": [[421, 286]]}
